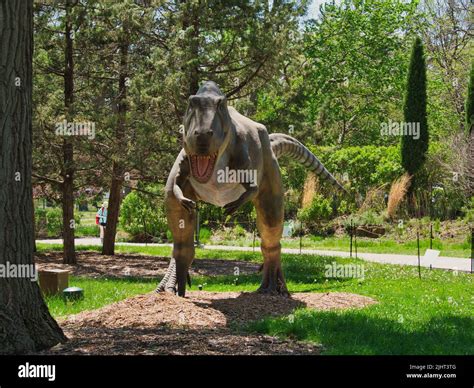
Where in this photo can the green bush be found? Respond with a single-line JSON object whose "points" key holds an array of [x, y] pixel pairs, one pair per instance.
{"points": [[49, 222], [54, 221], [364, 167], [235, 234], [346, 207], [204, 235], [142, 215], [368, 217], [319, 210], [468, 210]]}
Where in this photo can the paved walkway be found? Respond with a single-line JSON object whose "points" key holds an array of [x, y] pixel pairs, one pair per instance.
{"points": [[441, 262]]}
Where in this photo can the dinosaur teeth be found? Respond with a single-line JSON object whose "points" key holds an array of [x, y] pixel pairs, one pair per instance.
{"points": [[202, 166]]}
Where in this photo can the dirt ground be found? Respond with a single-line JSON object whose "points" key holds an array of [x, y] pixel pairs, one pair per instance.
{"points": [[203, 323]]}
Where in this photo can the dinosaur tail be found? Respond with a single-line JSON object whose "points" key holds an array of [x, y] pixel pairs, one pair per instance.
{"points": [[286, 145]]}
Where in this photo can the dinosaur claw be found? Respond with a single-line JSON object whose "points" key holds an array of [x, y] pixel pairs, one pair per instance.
{"points": [[231, 207], [188, 204]]}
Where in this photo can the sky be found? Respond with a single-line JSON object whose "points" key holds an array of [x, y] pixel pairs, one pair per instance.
{"points": [[313, 9]]}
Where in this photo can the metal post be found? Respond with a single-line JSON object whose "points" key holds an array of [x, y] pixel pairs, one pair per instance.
{"points": [[198, 243], [418, 246], [350, 233], [146, 234], [301, 235], [431, 236], [355, 242], [254, 231]]}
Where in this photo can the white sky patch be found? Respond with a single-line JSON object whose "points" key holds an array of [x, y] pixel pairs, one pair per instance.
{"points": [[313, 8]]}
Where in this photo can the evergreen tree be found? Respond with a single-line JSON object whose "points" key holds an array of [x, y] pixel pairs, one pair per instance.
{"points": [[414, 148]]}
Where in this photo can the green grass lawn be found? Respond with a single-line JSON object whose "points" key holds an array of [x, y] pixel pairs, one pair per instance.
{"points": [[452, 249], [98, 293], [433, 315]]}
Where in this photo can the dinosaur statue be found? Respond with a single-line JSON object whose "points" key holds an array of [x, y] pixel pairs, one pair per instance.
{"points": [[221, 143]]}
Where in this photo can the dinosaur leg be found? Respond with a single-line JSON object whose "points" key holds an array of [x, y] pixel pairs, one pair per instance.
{"points": [[181, 222], [269, 206]]}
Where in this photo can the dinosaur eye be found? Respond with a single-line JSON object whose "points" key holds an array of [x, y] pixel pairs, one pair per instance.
{"points": [[193, 101], [219, 101]]}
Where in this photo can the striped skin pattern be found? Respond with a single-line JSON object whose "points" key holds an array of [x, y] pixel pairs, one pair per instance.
{"points": [[284, 145]]}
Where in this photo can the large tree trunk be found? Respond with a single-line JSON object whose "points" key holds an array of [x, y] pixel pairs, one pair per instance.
{"points": [[113, 210], [34, 225], [69, 250], [25, 323], [115, 197], [68, 150]]}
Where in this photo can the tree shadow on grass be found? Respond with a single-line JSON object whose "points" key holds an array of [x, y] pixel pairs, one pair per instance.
{"points": [[354, 332]]}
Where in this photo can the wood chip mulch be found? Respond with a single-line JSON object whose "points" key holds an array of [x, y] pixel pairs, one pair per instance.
{"points": [[203, 323]]}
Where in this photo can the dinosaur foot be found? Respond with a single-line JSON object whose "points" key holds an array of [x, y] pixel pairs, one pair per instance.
{"points": [[273, 282]]}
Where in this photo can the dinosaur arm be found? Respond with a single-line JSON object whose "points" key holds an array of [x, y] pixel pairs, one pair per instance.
{"points": [[248, 195], [180, 174]]}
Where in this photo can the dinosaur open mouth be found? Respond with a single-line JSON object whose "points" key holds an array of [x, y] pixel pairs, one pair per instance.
{"points": [[202, 166]]}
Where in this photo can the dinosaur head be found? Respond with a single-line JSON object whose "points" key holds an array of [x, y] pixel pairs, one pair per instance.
{"points": [[207, 127]]}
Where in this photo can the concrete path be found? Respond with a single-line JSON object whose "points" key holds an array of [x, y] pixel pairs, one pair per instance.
{"points": [[441, 262]]}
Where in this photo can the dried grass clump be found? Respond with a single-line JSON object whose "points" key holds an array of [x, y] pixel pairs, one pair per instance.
{"points": [[309, 189], [397, 193], [374, 200]]}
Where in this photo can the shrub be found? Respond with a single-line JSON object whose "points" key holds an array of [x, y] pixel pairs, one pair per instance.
{"points": [[364, 167], [49, 222], [346, 207], [468, 210], [235, 234], [319, 210], [204, 235], [54, 222], [142, 215], [366, 218]]}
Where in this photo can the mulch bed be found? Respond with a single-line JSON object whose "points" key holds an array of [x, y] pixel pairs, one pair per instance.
{"points": [[203, 323], [165, 324]]}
